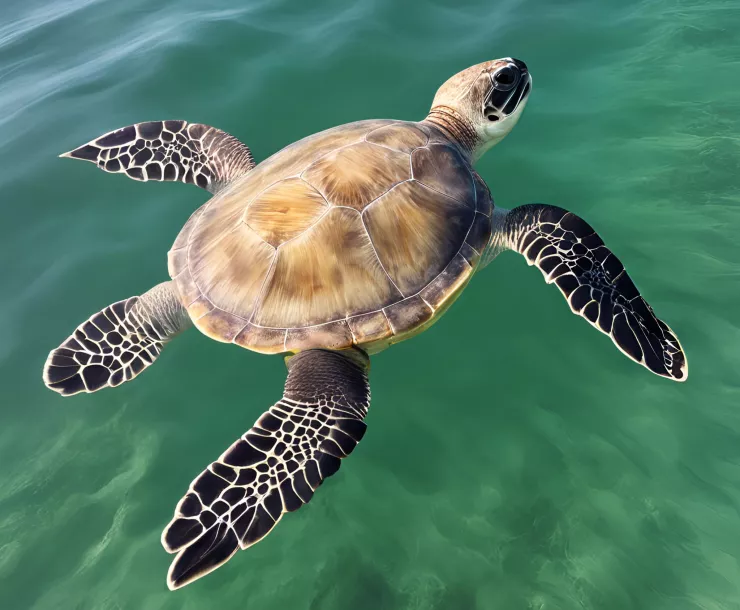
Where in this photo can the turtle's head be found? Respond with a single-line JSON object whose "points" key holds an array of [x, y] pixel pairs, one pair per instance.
{"points": [[479, 106]]}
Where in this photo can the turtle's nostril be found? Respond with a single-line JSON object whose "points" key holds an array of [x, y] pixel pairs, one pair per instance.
{"points": [[521, 65]]}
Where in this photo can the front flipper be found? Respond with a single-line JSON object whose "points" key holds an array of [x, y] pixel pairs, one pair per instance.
{"points": [[273, 468], [569, 253], [169, 151]]}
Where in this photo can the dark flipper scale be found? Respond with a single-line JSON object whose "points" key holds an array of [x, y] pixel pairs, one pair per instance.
{"points": [[275, 467], [570, 254], [113, 346], [117, 343], [169, 151]]}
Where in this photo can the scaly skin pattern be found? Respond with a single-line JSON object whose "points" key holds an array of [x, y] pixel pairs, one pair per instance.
{"points": [[275, 467], [169, 151], [117, 343]]}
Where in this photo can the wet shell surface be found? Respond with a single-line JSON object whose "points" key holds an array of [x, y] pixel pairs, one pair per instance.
{"points": [[359, 235]]}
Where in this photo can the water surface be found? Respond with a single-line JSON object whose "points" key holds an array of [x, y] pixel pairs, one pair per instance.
{"points": [[514, 459]]}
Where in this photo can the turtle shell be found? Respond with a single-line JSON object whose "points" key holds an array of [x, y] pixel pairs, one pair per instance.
{"points": [[359, 235]]}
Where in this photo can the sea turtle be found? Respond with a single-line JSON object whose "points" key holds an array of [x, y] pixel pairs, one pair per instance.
{"points": [[328, 252]]}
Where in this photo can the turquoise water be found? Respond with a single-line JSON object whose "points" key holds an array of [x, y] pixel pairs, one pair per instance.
{"points": [[514, 459]]}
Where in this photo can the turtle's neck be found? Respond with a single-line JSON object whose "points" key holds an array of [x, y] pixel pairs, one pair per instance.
{"points": [[455, 126]]}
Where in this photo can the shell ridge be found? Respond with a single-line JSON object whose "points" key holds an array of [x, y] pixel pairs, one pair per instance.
{"points": [[394, 187], [242, 221], [427, 303], [426, 186], [267, 188], [326, 154], [404, 125], [308, 182], [381, 309], [393, 122], [375, 252], [189, 245], [411, 162], [316, 282], [345, 175], [313, 224], [261, 291], [198, 266], [378, 144]]}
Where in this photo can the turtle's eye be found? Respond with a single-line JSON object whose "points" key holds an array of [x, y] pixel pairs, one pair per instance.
{"points": [[505, 78]]}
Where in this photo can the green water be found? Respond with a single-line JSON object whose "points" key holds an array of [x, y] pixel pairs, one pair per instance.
{"points": [[514, 459]]}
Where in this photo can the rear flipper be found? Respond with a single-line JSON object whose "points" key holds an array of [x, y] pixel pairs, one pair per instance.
{"points": [[117, 343], [275, 467], [569, 253]]}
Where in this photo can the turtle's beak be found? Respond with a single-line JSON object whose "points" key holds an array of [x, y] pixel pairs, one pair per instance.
{"points": [[512, 84]]}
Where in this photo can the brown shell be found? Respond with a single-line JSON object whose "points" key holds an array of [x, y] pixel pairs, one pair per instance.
{"points": [[362, 234]]}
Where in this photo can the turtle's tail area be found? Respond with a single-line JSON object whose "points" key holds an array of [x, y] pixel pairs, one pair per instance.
{"points": [[111, 347]]}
